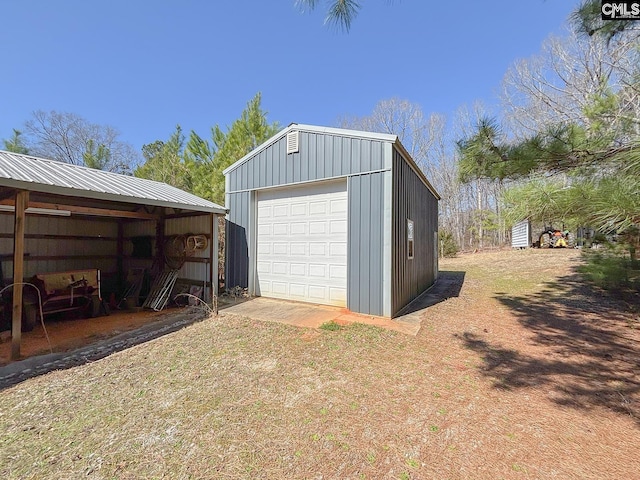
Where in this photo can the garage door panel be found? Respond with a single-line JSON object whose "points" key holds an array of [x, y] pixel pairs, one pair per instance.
{"points": [[317, 249], [299, 209], [338, 226], [316, 270], [298, 228], [338, 206], [338, 249], [317, 228], [317, 293], [264, 230], [338, 272], [298, 249], [279, 268], [302, 255], [298, 269], [338, 295], [265, 287], [279, 288], [281, 210], [298, 290], [279, 248], [317, 208]]}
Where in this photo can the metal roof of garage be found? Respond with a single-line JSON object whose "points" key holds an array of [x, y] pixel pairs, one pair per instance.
{"points": [[26, 172]]}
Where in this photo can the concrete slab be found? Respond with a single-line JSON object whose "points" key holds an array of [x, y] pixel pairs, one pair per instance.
{"points": [[312, 315]]}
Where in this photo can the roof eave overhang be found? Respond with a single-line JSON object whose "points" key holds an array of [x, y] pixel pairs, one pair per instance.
{"points": [[416, 169], [91, 194]]}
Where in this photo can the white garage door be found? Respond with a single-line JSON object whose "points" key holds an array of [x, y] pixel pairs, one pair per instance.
{"points": [[302, 243]]}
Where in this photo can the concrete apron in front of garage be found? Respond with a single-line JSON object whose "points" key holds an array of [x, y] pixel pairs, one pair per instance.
{"points": [[313, 316]]}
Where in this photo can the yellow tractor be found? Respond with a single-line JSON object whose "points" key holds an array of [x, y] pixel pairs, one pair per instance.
{"points": [[554, 238]]}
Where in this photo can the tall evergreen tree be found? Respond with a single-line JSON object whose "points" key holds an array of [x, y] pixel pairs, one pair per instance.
{"points": [[16, 143], [197, 165], [165, 162], [96, 155], [244, 134]]}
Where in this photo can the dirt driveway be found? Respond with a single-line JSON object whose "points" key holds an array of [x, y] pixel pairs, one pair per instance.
{"points": [[546, 330]]}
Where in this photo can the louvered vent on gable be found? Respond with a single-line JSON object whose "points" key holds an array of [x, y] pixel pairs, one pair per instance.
{"points": [[292, 142]]}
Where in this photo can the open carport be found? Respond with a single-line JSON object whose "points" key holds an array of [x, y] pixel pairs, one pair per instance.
{"points": [[58, 219]]}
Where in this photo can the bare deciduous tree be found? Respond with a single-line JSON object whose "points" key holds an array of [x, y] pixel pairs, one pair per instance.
{"points": [[469, 212], [69, 138], [406, 120], [568, 79]]}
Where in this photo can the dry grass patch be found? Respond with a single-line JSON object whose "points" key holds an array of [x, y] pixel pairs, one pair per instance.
{"points": [[496, 385]]}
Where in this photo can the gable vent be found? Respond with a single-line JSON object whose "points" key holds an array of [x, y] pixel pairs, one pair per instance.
{"points": [[292, 142]]}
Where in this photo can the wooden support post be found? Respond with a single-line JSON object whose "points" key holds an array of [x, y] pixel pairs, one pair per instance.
{"points": [[213, 256], [21, 203], [160, 228], [120, 254]]}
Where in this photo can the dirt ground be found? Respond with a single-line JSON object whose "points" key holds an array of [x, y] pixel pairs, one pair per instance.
{"points": [[68, 333], [521, 371]]}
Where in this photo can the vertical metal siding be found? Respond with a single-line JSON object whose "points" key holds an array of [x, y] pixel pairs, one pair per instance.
{"points": [[521, 235], [196, 225], [365, 244], [103, 242], [139, 229], [321, 156], [355, 154], [411, 200], [236, 243]]}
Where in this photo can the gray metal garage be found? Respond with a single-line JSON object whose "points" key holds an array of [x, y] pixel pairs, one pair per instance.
{"points": [[57, 217], [331, 216]]}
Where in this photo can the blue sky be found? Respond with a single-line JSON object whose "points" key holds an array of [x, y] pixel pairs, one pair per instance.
{"points": [[144, 66]]}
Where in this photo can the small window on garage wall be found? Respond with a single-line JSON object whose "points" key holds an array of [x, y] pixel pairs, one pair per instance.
{"points": [[410, 242]]}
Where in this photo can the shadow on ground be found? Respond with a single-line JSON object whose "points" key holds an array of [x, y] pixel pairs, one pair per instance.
{"points": [[447, 286], [585, 348]]}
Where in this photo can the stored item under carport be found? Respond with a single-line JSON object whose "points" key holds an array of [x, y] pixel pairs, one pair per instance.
{"points": [[160, 290]]}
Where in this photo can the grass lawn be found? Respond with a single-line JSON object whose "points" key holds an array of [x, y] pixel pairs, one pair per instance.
{"points": [[527, 373]]}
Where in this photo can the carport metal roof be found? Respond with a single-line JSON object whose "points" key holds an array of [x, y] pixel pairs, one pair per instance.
{"points": [[57, 180]]}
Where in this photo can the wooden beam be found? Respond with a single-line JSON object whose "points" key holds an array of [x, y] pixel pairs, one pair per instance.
{"points": [[185, 215], [21, 203], [214, 256], [32, 258], [99, 212], [45, 236], [120, 253], [160, 229]]}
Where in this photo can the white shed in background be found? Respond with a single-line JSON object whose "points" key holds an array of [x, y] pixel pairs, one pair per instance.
{"points": [[521, 234]]}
